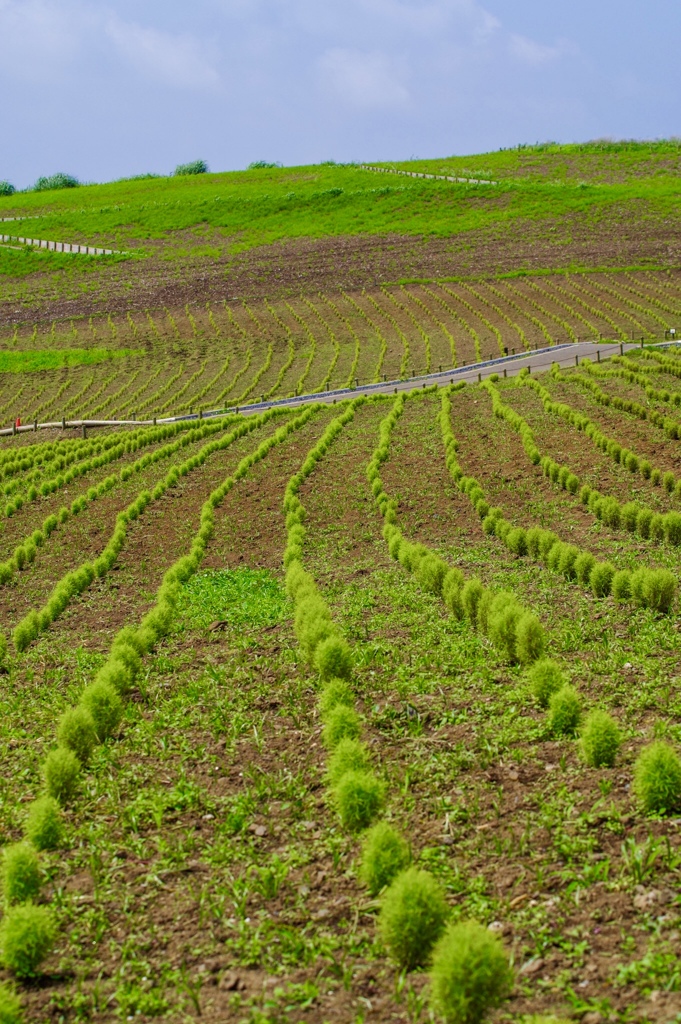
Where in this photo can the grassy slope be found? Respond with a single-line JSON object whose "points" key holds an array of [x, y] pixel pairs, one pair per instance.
{"points": [[256, 207]]}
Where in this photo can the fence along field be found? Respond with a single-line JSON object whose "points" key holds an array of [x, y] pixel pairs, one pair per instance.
{"points": [[221, 355], [310, 708]]}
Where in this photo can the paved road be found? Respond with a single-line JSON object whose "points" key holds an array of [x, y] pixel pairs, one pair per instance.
{"points": [[537, 361]]}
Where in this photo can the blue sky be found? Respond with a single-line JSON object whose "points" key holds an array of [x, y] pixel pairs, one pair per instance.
{"points": [[102, 90]]}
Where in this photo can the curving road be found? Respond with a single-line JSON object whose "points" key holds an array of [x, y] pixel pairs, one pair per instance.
{"points": [[506, 366]]}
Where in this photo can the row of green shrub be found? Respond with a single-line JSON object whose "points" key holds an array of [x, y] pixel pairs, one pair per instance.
{"points": [[319, 638], [657, 772], [413, 916], [619, 453], [634, 373], [109, 450], [665, 363], [28, 931], [649, 588], [515, 631], [78, 580], [672, 428], [25, 552], [657, 775]]}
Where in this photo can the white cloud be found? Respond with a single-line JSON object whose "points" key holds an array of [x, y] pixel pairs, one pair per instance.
{"points": [[363, 79], [530, 52], [175, 60]]}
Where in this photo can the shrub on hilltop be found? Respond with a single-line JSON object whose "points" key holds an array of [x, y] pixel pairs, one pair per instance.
{"points": [[195, 167], [55, 181]]}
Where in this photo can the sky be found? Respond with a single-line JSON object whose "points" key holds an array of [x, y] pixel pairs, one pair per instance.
{"points": [[103, 90]]}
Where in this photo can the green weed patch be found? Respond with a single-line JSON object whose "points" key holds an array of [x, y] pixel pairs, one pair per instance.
{"points": [[239, 597], [30, 361]]}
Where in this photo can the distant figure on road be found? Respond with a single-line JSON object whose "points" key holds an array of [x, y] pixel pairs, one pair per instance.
{"points": [[18, 422]]}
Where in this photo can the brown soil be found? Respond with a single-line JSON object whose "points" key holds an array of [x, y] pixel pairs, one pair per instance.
{"points": [[329, 264]]}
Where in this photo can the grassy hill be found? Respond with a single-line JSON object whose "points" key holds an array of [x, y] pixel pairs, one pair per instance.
{"points": [[275, 230]]}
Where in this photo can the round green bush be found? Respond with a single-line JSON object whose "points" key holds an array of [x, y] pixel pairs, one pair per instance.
{"points": [[630, 513], [384, 854], [489, 525], [657, 527], [21, 877], [359, 798], [76, 730], [566, 562], [101, 702], [672, 528], [61, 769], [600, 579], [658, 589], [545, 678], [412, 917], [504, 614], [431, 573], [471, 593], [44, 824], [668, 482], [555, 554], [657, 779], [336, 691], [621, 585], [564, 711], [584, 563], [600, 739], [349, 756], [451, 592], [27, 935], [470, 973], [533, 537], [643, 520], [10, 1006], [333, 658], [529, 638], [516, 541]]}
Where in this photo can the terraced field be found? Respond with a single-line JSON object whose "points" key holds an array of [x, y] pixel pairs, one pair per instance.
{"points": [[171, 362], [366, 709], [450, 618]]}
